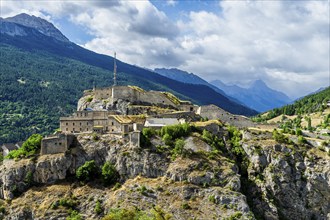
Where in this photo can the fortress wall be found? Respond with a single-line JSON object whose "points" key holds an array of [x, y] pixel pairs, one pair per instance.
{"points": [[103, 93], [126, 93], [155, 97], [55, 145]]}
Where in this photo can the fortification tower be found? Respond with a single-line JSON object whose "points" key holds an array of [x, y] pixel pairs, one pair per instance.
{"points": [[114, 71]]}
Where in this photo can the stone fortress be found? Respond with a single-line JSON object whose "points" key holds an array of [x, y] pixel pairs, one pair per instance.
{"points": [[125, 110]]}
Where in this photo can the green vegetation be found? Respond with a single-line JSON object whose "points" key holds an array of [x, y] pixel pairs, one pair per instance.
{"points": [[185, 205], [74, 215], [135, 214], [109, 173], [309, 104], [280, 137], [214, 141], [30, 147], [176, 131], [212, 199], [87, 172], [98, 207]]}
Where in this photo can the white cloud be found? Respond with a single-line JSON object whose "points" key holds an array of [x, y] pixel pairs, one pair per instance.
{"points": [[285, 43], [171, 2]]}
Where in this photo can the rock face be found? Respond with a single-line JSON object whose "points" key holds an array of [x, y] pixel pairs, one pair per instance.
{"points": [[270, 181], [288, 181], [39, 24]]}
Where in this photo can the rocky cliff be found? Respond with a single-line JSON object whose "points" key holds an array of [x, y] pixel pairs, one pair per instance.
{"points": [[259, 179]]}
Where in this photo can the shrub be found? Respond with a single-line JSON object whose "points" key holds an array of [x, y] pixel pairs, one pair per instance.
{"points": [[185, 205], [2, 209], [87, 171], [176, 131], [67, 203], [279, 137], [74, 215], [168, 139], [29, 178], [29, 147], [178, 149], [301, 140], [212, 199], [127, 214], [109, 173], [215, 142], [98, 208], [95, 137], [117, 186], [89, 99]]}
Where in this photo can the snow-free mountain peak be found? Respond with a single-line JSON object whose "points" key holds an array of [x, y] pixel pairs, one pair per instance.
{"points": [[39, 24]]}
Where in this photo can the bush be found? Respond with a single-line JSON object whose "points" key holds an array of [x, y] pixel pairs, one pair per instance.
{"points": [[178, 149], [87, 171], [109, 173], [67, 203], [212, 199], [127, 214], [301, 140], [31, 146], [2, 209], [74, 215], [95, 137], [98, 208], [168, 139], [215, 142], [185, 205], [279, 137], [176, 131]]}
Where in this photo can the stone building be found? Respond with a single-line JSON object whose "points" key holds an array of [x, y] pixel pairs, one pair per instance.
{"points": [[56, 144], [101, 122]]}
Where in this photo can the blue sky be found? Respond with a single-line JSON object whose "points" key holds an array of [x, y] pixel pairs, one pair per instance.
{"points": [[284, 43]]}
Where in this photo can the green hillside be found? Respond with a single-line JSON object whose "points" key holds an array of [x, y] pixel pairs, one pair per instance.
{"points": [[37, 88], [306, 105]]}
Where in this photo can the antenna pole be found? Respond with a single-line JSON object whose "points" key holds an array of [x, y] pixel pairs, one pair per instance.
{"points": [[114, 71]]}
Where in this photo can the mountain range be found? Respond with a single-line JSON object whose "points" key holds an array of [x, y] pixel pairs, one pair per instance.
{"points": [[258, 96], [43, 75]]}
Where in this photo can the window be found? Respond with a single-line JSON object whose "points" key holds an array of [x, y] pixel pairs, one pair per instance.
{"points": [[73, 123], [87, 129], [111, 123], [80, 129], [66, 123], [80, 123], [60, 143], [66, 129]]}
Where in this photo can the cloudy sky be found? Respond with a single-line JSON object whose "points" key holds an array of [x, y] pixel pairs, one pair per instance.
{"points": [[284, 43]]}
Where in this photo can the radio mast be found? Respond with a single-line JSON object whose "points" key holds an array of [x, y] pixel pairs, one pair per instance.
{"points": [[114, 71]]}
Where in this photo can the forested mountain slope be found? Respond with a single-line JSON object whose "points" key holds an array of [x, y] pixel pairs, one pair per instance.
{"points": [[306, 105]]}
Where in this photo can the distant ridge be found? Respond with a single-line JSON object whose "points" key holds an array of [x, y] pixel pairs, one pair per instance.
{"points": [[258, 96]]}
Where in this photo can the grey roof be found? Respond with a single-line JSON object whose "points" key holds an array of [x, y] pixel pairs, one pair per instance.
{"points": [[160, 122], [9, 146]]}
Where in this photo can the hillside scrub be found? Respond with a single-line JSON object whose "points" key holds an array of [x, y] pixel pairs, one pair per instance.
{"points": [[87, 172], [30, 147], [109, 173]]}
